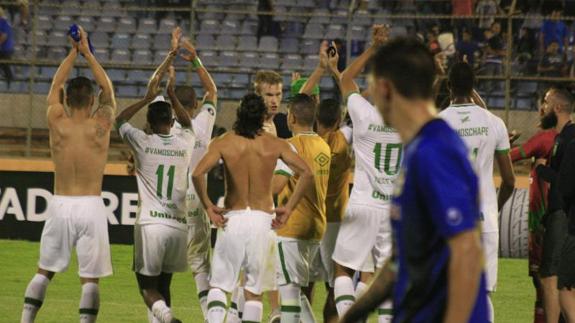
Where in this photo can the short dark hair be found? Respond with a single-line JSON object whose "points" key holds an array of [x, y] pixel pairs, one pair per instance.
{"points": [[328, 112], [159, 113], [563, 95], [302, 106], [461, 79], [407, 63], [79, 92], [250, 116], [187, 96]]}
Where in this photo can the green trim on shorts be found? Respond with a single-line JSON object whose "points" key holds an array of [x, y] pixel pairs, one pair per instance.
{"points": [[119, 124], [208, 102], [282, 172], [502, 151], [384, 311], [290, 309], [203, 293], [33, 301], [283, 263], [89, 311], [345, 298], [213, 304]]}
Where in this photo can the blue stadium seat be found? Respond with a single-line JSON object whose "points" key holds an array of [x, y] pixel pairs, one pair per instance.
{"points": [[335, 31], [240, 81], [249, 60], [310, 62], [159, 56], [100, 39], [126, 25], [210, 58], [292, 62], [314, 31], [63, 22], [270, 61], [526, 87], [106, 24], [230, 27], [120, 56], [247, 43], [87, 23], [141, 41], [524, 103], [58, 38], [121, 41], [142, 56], [236, 94], [209, 27], [41, 87], [41, 37], [309, 46], [358, 32], [320, 16], [18, 87], [249, 28], [326, 83], [166, 25], [162, 41], [147, 26], [45, 22], [340, 17], [228, 59], [204, 41], [222, 79], [268, 44], [226, 42], [138, 76], [56, 53], [289, 45], [45, 73], [102, 54], [116, 75], [127, 91], [360, 19]]}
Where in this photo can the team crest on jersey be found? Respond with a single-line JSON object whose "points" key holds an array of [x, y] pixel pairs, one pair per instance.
{"points": [[322, 159]]}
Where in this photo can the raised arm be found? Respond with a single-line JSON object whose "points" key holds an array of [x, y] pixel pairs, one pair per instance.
{"points": [[379, 36], [129, 112], [54, 99], [317, 74], [181, 115], [210, 89], [209, 161], [304, 182]]}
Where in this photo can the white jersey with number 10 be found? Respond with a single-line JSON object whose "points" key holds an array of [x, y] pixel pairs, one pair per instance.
{"points": [[378, 152]]}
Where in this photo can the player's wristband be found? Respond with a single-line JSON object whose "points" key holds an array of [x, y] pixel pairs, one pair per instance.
{"points": [[197, 63]]}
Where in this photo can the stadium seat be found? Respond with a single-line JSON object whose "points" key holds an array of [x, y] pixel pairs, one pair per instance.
{"points": [[142, 56], [226, 42], [147, 26], [41, 87], [360, 19], [141, 41], [292, 62], [120, 56], [209, 27], [309, 46], [236, 94], [268, 44], [99, 39], [293, 29], [205, 41], [230, 27], [210, 59], [334, 32], [102, 54], [106, 24], [222, 78], [116, 75], [358, 32], [138, 76], [18, 87], [166, 25], [310, 62], [228, 59], [41, 37], [340, 17], [321, 16], [240, 81], [162, 42], [58, 38], [269, 61], [249, 28], [289, 45], [314, 31], [127, 91], [63, 22], [126, 25], [247, 43], [326, 83], [56, 53], [44, 22], [524, 103], [45, 73], [159, 56], [121, 41], [526, 87], [249, 60], [86, 22]]}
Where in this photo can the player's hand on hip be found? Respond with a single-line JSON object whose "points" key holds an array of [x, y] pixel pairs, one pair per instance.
{"points": [[216, 215], [282, 215]]}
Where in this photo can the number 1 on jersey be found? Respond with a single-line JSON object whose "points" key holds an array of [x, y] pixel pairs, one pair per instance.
{"points": [[160, 186], [389, 148]]}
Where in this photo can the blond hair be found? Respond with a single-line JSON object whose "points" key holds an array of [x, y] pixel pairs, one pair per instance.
{"points": [[266, 77]]}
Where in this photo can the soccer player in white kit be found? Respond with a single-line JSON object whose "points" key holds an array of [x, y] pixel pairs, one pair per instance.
{"points": [[486, 137], [79, 141], [162, 159], [364, 239], [203, 120]]}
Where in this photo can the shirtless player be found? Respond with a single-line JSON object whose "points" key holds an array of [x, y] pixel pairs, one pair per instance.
{"points": [[79, 142], [250, 156]]}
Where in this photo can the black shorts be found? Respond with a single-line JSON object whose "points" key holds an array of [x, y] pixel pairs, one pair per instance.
{"points": [[566, 273], [555, 231]]}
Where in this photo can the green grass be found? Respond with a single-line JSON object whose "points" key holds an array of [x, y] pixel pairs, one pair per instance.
{"points": [[121, 302]]}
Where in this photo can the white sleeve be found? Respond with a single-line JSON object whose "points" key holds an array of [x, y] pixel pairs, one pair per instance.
{"points": [[503, 145], [357, 107], [203, 123], [282, 168], [347, 132], [132, 135]]}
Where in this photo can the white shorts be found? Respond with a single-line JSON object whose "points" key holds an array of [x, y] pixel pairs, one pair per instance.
{"points": [[323, 267], [491, 250], [247, 242], [294, 260], [81, 222], [364, 241], [159, 248], [199, 243]]}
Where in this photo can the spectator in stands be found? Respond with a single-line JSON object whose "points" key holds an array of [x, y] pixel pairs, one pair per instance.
{"points": [[267, 26], [526, 43], [494, 53], [6, 45], [554, 29], [467, 47], [432, 42], [552, 63], [486, 8]]}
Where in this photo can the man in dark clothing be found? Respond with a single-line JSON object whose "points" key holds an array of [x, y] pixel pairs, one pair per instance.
{"points": [[557, 106], [6, 46]]}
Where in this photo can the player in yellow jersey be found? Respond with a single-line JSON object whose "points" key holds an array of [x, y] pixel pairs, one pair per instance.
{"points": [[298, 240]]}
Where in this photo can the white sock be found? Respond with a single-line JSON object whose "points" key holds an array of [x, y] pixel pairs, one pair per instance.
{"points": [[490, 308], [162, 312], [34, 297], [385, 312], [253, 311], [359, 289], [203, 287], [216, 306], [152, 318], [236, 306], [89, 303], [306, 311], [343, 294], [290, 303]]}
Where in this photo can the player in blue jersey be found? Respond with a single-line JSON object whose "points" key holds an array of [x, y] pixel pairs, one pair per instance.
{"points": [[436, 272]]}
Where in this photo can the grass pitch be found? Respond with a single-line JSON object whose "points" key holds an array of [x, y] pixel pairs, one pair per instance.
{"points": [[121, 302]]}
